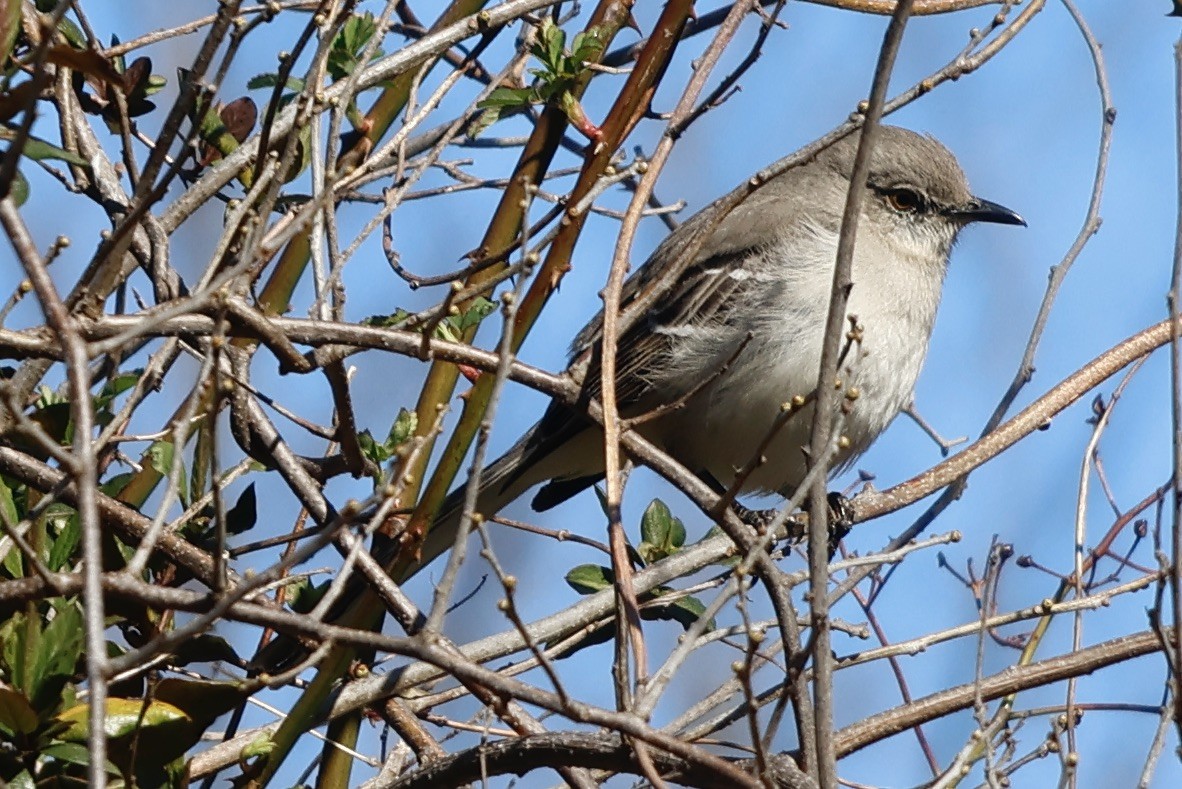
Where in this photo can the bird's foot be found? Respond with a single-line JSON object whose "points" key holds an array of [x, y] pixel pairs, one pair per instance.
{"points": [[841, 514]]}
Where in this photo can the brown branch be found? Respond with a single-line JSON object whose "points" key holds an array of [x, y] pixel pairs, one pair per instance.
{"points": [[1011, 680]]}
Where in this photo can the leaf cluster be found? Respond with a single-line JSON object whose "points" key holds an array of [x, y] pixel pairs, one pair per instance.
{"points": [[661, 535], [557, 79]]}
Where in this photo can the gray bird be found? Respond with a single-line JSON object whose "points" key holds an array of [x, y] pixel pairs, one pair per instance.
{"points": [[757, 295], [755, 298]]}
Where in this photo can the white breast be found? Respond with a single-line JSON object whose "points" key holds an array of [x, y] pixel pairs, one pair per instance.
{"points": [[722, 427]]}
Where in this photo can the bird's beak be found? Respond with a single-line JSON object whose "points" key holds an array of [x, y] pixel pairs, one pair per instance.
{"points": [[979, 210]]}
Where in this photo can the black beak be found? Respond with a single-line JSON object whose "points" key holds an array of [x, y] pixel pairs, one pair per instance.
{"points": [[978, 210]]}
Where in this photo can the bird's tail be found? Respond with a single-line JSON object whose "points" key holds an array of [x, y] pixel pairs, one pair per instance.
{"points": [[502, 481]]}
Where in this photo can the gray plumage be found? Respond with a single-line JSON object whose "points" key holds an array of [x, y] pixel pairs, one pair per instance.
{"points": [[765, 272]]}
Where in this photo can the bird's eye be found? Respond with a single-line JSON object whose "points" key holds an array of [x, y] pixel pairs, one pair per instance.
{"points": [[905, 201]]}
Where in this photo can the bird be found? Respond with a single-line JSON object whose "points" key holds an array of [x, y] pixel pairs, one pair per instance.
{"points": [[754, 300], [739, 332]]}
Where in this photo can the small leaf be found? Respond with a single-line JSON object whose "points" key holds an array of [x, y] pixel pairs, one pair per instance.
{"points": [[68, 29], [590, 578], [480, 309], [155, 84], [8, 503], [123, 717], [685, 610], [10, 26], [403, 428], [243, 515], [260, 746], [552, 39], [115, 485], [136, 80], [507, 97], [661, 533], [56, 655], [303, 595], [223, 128], [14, 563], [372, 449], [587, 46], [271, 80], [240, 116], [98, 69], [205, 648], [385, 321], [54, 418], [160, 458], [117, 386], [22, 780], [68, 752], [347, 46], [19, 189], [66, 543], [487, 118], [201, 700], [17, 716]]}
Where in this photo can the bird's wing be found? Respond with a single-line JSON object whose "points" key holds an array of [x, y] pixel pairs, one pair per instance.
{"points": [[701, 294]]}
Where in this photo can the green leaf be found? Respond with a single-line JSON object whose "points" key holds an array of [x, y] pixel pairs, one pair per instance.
{"points": [[115, 485], [117, 386], [66, 543], [260, 746], [68, 752], [385, 321], [587, 46], [303, 595], [551, 41], [17, 716], [22, 780], [480, 309], [19, 189], [12, 650], [56, 655], [155, 84], [685, 610], [590, 578], [508, 97], [8, 503], [205, 648], [123, 717], [487, 118], [661, 533], [271, 80], [68, 29], [344, 55], [403, 428], [160, 458], [37, 149], [10, 26], [371, 448], [201, 700], [243, 515], [12, 561]]}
